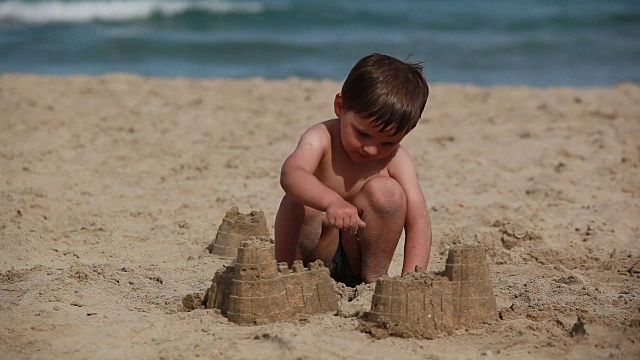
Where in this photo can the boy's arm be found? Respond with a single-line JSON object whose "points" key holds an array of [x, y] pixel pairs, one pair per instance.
{"points": [[298, 180], [417, 245]]}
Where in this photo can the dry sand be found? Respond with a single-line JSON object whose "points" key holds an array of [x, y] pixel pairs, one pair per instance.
{"points": [[112, 187]]}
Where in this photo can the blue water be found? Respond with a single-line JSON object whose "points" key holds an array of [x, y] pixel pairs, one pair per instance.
{"points": [[490, 42]]}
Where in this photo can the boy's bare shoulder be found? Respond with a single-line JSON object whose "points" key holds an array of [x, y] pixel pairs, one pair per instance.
{"points": [[401, 161], [326, 127], [402, 154], [320, 132]]}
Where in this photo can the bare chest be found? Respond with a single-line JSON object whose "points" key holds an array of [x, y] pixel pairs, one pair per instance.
{"points": [[346, 177]]}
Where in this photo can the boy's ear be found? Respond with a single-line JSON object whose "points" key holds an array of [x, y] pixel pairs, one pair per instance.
{"points": [[338, 107]]}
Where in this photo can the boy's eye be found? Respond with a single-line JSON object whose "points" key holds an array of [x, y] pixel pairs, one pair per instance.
{"points": [[362, 133]]}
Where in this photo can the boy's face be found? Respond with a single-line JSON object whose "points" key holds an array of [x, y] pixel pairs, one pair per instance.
{"points": [[363, 141]]}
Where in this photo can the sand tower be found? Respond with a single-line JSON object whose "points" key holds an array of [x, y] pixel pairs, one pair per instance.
{"points": [[236, 228], [257, 290], [421, 304], [468, 266]]}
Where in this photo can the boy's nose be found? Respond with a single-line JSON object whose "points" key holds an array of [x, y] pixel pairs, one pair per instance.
{"points": [[371, 150]]}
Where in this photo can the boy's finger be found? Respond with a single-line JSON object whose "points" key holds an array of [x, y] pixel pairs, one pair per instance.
{"points": [[356, 222], [353, 229]]}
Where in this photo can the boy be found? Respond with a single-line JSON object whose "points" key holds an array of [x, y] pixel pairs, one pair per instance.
{"points": [[350, 187]]}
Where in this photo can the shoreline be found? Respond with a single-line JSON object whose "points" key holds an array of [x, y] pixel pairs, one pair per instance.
{"points": [[305, 79]]}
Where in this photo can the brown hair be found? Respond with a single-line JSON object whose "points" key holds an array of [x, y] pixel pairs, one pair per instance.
{"points": [[389, 92]]}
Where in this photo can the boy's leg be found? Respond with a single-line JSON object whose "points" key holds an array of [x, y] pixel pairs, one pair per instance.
{"points": [[382, 205], [303, 233]]}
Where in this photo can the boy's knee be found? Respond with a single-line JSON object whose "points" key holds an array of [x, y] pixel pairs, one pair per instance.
{"points": [[384, 194]]}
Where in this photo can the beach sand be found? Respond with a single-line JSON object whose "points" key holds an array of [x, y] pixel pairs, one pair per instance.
{"points": [[112, 187]]}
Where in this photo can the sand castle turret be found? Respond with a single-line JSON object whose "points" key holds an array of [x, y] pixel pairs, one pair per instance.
{"points": [[421, 304], [236, 228], [468, 266], [257, 290]]}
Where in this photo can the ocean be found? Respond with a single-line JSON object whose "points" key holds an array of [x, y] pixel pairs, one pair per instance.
{"points": [[537, 43]]}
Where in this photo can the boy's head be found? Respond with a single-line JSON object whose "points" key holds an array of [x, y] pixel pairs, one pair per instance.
{"points": [[389, 92]]}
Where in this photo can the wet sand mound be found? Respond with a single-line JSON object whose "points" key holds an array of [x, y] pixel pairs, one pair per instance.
{"points": [[257, 290], [235, 228], [421, 304]]}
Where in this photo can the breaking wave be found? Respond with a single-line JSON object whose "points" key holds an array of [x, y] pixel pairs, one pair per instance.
{"points": [[114, 10]]}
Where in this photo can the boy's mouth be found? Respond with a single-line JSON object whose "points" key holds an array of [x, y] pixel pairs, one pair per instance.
{"points": [[361, 156]]}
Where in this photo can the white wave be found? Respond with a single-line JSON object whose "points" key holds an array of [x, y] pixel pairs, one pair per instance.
{"points": [[113, 10]]}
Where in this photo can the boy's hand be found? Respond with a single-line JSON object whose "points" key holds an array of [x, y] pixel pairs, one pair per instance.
{"points": [[343, 216]]}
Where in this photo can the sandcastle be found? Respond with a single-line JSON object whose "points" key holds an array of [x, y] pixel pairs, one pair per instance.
{"points": [[257, 290], [236, 228], [421, 304]]}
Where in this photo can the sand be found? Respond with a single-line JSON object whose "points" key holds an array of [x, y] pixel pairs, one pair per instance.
{"points": [[111, 189]]}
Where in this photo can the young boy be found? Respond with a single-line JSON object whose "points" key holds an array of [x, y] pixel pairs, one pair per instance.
{"points": [[351, 188]]}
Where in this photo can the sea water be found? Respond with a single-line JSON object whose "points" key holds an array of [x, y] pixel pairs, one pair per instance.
{"points": [[489, 42]]}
